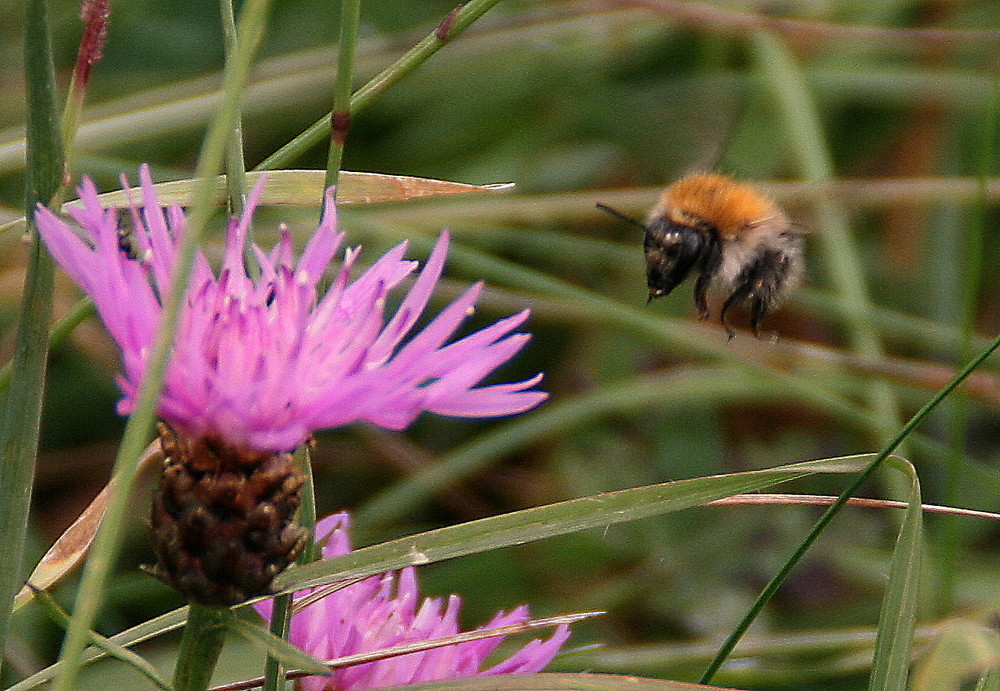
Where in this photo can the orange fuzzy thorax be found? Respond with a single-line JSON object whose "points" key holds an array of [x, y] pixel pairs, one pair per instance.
{"points": [[730, 207]]}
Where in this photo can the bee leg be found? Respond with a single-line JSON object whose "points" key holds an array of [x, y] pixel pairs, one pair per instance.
{"points": [[708, 266], [758, 308], [761, 283], [738, 295], [700, 295]]}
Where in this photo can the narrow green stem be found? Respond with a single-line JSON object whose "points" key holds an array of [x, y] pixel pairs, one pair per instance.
{"points": [[281, 617], [204, 634], [59, 333], [95, 15], [340, 116], [307, 509], [22, 410], [458, 21], [274, 670], [137, 430], [972, 269], [772, 587], [236, 177], [815, 163]]}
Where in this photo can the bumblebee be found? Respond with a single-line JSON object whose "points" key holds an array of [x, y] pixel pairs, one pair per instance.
{"points": [[730, 235]]}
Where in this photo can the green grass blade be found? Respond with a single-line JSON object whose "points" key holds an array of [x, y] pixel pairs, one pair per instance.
{"points": [[119, 652], [890, 666], [171, 621], [276, 647], [542, 522], [23, 402]]}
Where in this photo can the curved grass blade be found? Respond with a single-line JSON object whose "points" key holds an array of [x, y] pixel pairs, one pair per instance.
{"points": [[301, 188], [277, 647], [499, 531], [115, 650], [72, 546], [898, 617], [541, 522]]}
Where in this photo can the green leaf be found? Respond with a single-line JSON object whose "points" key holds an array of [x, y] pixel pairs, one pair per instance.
{"points": [[556, 682], [541, 522], [899, 607], [276, 647], [22, 406]]}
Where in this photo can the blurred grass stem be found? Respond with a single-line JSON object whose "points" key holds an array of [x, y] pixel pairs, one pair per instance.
{"points": [[971, 275], [457, 22], [236, 179], [340, 116], [137, 431], [844, 263], [23, 403]]}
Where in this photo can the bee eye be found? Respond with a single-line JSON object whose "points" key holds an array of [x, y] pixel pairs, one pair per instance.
{"points": [[673, 250]]}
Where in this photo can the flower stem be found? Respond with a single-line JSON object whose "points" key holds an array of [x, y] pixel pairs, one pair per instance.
{"points": [[201, 644], [95, 15], [236, 180], [454, 24], [340, 116], [281, 614]]}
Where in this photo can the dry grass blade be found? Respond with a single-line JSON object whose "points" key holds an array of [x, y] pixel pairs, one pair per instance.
{"points": [[72, 546], [305, 187], [824, 500], [430, 644]]}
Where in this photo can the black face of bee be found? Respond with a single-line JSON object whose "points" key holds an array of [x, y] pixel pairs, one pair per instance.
{"points": [[672, 251]]}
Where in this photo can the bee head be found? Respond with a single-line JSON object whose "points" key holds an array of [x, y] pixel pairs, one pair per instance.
{"points": [[672, 250]]}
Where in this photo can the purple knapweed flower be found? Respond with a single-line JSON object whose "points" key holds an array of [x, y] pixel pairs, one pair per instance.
{"points": [[261, 363], [386, 610]]}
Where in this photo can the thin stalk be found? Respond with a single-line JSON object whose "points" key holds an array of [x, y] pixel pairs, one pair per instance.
{"points": [[59, 333], [844, 265], [772, 587], [138, 428], [971, 269], [281, 617], [204, 634], [236, 177], [94, 14], [454, 24], [340, 116], [23, 404], [281, 614]]}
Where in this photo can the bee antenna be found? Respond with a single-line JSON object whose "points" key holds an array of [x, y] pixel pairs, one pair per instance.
{"points": [[619, 215]]}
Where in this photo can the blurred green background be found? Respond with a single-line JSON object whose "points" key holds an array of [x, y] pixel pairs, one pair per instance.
{"points": [[579, 102]]}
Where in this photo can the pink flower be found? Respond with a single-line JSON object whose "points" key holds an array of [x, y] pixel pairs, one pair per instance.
{"points": [[384, 611], [262, 363]]}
